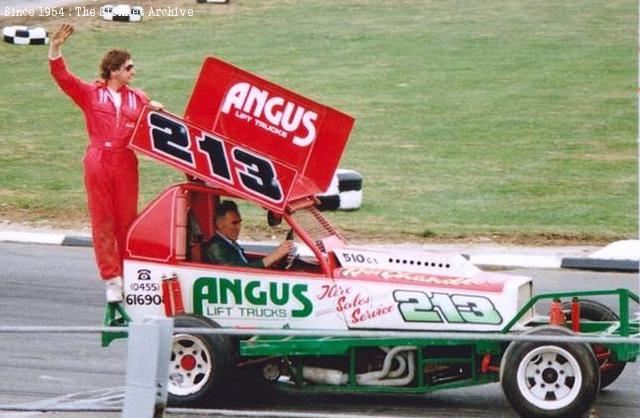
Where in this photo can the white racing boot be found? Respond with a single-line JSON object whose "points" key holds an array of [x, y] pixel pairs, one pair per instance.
{"points": [[114, 289]]}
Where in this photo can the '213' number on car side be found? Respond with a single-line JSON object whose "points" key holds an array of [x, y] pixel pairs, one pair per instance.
{"points": [[418, 306], [256, 174]]}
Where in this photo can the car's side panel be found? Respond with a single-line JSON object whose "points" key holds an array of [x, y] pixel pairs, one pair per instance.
{"points": [[243, 297], [382, 305], [235, 297]]}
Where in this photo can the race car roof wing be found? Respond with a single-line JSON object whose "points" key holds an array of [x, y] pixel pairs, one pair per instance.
{"points": [[249, 136]]}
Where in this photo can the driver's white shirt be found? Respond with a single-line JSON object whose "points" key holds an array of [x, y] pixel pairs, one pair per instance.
{"points": [[116, 97]]}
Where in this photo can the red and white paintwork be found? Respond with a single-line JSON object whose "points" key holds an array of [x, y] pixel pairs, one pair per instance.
{"points": [[341, 287], [302, 170]]}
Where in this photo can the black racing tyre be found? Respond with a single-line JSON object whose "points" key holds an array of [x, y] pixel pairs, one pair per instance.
{"points": [[596, 311], [200, 364], [549, 379]]}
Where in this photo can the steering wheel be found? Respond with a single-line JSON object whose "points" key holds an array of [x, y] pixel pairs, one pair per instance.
{"points": [[287, 262]]}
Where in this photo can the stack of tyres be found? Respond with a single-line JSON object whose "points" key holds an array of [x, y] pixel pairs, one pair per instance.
{"points": [[121, 13], [23, 35], [344, 192]]}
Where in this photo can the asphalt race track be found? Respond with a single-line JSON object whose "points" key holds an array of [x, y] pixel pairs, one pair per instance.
{"points": [[51, 285]]}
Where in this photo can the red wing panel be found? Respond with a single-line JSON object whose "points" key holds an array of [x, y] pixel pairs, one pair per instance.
{"points": [[213, 158], [272, 121]]}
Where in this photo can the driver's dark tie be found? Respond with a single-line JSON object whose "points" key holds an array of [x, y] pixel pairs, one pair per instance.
{"points": [[240, 252]]}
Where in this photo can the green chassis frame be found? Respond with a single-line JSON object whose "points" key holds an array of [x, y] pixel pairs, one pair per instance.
{"points": [[467, 354]]}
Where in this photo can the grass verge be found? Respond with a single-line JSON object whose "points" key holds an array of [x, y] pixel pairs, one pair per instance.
{"points": [[479, 118]]}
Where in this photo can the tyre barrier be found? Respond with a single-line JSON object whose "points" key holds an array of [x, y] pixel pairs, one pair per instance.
{"points": [[344, 192], [121, 13], [23, 35]]}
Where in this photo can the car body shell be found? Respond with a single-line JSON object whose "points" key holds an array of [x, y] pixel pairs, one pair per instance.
{"points": [[338, 287]]}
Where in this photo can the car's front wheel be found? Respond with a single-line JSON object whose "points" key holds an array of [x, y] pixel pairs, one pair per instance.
{"points": [[199, 364], [548, 379]]}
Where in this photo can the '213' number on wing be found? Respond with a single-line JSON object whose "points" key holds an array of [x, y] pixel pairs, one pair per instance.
{"points": [[255, 173]]}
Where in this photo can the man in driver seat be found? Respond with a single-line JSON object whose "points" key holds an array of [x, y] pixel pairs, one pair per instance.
{"points": [[223, 248]]}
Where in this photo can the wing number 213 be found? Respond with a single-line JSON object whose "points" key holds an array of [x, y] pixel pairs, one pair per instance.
{"points": [[255, 173]]}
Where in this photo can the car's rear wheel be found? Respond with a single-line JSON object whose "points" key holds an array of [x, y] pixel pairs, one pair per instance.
{"points": [[199, 364], [548, 379], [596, 311]]}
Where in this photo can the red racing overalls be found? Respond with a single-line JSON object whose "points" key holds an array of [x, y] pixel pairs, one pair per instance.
{"points": [[110, 168]]}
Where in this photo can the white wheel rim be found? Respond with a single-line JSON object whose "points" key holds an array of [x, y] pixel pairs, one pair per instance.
{"points": [[549, 377], [190, 366]]}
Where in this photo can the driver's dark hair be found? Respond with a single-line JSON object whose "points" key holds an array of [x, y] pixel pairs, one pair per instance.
{"points": [[112, 61], [224, 207]]}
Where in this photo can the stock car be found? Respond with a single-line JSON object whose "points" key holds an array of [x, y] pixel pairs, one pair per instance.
{"points": [[249, 140]]}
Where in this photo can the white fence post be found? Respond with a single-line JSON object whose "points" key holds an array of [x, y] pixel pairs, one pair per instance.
{"points": [[164, 351], [148, 352]]}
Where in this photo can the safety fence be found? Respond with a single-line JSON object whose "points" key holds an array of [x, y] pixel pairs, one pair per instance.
{"points": [[471, 336], [149, 351]]}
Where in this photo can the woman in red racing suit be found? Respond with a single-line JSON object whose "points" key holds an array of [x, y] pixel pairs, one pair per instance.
{"points": [[111, 109]]}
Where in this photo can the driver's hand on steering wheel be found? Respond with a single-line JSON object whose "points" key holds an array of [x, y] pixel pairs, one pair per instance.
{"points": [[284, 249]]}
